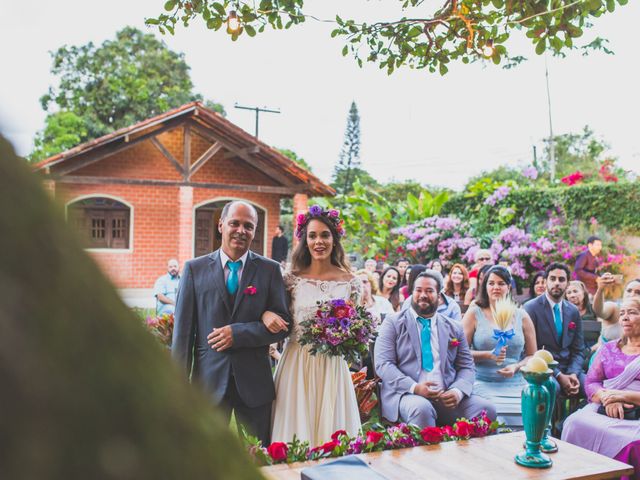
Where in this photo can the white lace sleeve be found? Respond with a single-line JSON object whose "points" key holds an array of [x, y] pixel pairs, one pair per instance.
{"points": [[290, 281], [356, 290]]}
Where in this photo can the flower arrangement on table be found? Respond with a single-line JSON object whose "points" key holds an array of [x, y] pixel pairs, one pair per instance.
{"points": [[339, 328], [376, 439], [161, 327]]}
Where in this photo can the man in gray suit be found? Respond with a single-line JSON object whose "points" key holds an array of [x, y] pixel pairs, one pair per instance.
{"points": [[220, 302], [424, 362]]}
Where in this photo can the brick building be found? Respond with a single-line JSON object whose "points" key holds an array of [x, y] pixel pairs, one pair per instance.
{"points": [[154, 191]]}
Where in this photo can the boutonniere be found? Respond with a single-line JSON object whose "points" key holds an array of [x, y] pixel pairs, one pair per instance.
{"points": [[250, 290], [454, 342], [572, 326]]}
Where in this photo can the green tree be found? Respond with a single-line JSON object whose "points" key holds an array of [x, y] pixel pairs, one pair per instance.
{"points": [[121, 82], [62, 131], [294, 156], [420, 36], [349, 160], [395, 191]]}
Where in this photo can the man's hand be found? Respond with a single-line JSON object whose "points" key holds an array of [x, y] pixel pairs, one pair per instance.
{"points": [[424, 390], [221, 339], [274, 322], [569, 383], [449, 399]]}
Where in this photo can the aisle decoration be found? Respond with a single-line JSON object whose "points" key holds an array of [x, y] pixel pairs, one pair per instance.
{"points": [[375, 439], [339, 328]]}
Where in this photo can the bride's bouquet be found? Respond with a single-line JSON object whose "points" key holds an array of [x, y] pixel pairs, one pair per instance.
{"points": [[338, 328]]}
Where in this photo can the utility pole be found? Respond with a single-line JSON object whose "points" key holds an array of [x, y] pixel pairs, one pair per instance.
{"points": [[257, 110], [552, 149]]}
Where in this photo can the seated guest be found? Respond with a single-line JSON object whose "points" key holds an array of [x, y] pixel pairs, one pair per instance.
{"points": [[559, 329], [425, 365], [389, 286], [536, 286], [577, 294], [605, 425], [496, 375], [376, 305], [472, 293], [446, 305], [482, 257], [609, 311], [404, 289], [457, 284]]}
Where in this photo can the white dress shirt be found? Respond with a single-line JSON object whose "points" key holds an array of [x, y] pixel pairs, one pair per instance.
{"points": [[224, 258]]}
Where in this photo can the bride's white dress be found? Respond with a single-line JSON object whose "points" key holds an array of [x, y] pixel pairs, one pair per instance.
{"points": [[314, 393]]}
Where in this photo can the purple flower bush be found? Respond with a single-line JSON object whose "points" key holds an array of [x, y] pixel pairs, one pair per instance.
{"points": [[498, 194], [445, 238]]}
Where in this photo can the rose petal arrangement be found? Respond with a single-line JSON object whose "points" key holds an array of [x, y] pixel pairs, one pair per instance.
{"points": [[338, 328], [375, 439]]}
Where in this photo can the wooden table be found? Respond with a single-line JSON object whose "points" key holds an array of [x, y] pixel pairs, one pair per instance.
{"points": [[479, 458]]}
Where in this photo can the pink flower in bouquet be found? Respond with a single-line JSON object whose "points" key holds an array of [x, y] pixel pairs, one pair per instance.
{"points": [[152, 321], [337, 434], [374, 437], [432, 434], [278, 451]]}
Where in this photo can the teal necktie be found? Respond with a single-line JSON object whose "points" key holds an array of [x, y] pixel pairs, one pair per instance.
{"points": [[232, 279], [425, 340], [558, 320]]}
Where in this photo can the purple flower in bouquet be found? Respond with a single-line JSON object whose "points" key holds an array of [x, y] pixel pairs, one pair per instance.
{"points": [[338, 328]]}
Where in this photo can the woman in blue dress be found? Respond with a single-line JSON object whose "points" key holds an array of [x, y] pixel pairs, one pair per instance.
{"points": [[497, 377]]}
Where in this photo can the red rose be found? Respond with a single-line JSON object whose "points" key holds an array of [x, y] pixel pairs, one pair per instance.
{"points": [[432, 434], [572, 326], [374, 437], [250, 290], [341, 312], [329, 446], [336, 435], [278, 451], [454, 342], [463, 429], [448, 430]]}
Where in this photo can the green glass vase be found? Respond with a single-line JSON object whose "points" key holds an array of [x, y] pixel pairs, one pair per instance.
{"points": [[547, 445], [536, 401]]}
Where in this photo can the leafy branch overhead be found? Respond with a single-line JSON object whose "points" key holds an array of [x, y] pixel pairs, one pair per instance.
{"points": [[423, 35]]}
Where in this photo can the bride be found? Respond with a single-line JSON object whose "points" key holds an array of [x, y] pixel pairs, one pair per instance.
{"points": [[314, 393]]}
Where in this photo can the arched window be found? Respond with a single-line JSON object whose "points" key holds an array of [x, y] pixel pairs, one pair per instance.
{"points": [[102, 222]]}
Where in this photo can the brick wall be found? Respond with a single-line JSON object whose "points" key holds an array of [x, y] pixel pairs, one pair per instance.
{"points": [[162, 217]]}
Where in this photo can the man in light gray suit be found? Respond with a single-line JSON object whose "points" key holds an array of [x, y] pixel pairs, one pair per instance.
{"points": [[424, 362], [218, 337]]}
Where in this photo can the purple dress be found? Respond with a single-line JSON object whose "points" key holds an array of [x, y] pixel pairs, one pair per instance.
{"points": [[615, 438]]}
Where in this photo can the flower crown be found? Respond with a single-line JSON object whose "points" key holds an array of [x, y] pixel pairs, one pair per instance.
{"points": [[317, 211]]}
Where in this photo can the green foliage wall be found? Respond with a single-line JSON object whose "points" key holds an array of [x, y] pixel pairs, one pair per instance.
{"points": [[614, 205]]}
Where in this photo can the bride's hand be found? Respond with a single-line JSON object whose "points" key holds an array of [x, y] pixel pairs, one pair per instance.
{"points": [[274, 322]]}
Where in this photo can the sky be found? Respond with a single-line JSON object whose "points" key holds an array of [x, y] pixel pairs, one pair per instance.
{"points": [[414, 125]]}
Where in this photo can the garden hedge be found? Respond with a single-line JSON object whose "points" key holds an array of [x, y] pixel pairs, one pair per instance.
{"points": [[614, 205]]}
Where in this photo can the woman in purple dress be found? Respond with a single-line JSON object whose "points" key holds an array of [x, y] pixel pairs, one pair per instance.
{"points": [[613, 382]]}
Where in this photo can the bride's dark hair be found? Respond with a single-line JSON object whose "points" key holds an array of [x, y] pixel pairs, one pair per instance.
{"points": [[301, 257]]}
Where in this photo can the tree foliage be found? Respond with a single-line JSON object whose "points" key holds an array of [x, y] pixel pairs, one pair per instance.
{"points": [[90, 393], [419, 36], [349, 160], [123, 81], [294, 156]]}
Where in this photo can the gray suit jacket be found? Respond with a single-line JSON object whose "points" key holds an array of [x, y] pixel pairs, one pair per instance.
{"points": [[203, 303], [398, 358], [569, 352]]}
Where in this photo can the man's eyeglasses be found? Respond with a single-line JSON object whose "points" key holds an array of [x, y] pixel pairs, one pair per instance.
{"points": [[484, 259]]}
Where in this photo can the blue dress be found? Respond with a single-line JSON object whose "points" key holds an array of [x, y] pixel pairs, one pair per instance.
{"points": [[503, 392]]}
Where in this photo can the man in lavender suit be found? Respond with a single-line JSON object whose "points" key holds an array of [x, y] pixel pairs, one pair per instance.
{"points": [[424, 362]]}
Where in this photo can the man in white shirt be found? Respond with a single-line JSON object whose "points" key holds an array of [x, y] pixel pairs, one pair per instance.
{"points": [[424, 362]]}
